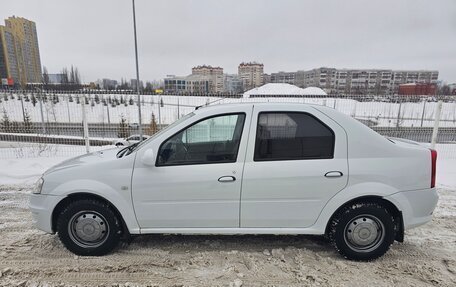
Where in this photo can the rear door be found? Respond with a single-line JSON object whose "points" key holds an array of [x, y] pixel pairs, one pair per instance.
{"points": [[296, 161]]}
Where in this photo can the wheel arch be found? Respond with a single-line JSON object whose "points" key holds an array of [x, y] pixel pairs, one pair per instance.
{"points": [[391, 207], [85, 195]]}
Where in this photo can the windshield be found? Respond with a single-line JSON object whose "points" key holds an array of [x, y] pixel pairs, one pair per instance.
{"points": [[142, 143]]}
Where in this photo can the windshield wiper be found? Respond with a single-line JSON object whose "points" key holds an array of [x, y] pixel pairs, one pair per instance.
{"points": [[132, 147], [127, 150]]}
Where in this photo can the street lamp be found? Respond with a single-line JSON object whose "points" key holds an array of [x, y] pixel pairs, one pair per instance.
{"points": [[137, 73]]}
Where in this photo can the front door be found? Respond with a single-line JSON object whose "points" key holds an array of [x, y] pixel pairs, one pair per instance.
{"points": [[296, 161], [196, 181]]}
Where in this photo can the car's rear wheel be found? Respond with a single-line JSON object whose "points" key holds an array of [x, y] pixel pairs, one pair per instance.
{"points": [[362, 231], [88, 227]]}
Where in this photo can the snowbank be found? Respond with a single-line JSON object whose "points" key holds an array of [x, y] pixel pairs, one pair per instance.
{"points": [[283, 89], [25, 171]]}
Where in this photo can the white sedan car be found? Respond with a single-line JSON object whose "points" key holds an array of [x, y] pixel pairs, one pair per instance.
{"points": [[245, 169], [129, 141]]}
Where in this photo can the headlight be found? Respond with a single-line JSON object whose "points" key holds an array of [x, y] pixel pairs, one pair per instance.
{"points": [[38, 186]]}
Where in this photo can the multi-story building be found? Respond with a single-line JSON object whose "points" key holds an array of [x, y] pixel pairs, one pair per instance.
{"points": [[214, 73], [188, 84], [355, 81], [174, 84], [199, 84], [284, 77], [251, 75], [233, 84], [21, 55], [204, 79], [9, 70]]}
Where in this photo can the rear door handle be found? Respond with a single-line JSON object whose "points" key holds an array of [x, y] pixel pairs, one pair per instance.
{"points": [[334, 174], [226, 179]]}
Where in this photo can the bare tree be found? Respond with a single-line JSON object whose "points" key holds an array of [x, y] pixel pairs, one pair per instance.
{"points": [[45, 77]]}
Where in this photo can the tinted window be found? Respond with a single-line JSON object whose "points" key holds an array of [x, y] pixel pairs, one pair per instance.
{"points": [[213, 140], [290, 135]]}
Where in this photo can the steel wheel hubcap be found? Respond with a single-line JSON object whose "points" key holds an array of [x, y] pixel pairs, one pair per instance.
{"points": [[88, 229], [364, 233]]}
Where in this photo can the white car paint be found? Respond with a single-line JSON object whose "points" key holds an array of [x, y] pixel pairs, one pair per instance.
{"points": [[277, 197]]}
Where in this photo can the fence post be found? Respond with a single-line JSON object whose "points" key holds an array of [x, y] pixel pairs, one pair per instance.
{"points": [[435, 131], [84, 124], [68, 107], [159, 114], [178, 112], [107, 111], [399, 114], [424, 110], [43, 125], [22, 105]]}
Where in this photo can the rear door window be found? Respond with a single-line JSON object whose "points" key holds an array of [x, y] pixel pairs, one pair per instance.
{"points": [[292, 136]]}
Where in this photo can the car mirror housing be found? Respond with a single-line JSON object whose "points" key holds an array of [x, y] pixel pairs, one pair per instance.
{"points": [[148, 157]]}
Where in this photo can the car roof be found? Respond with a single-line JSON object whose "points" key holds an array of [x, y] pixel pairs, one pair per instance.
{"points": [[243, 104]]}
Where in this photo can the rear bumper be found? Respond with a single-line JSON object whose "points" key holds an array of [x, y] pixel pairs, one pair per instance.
{"points": [[416, 206], [42, 206]]}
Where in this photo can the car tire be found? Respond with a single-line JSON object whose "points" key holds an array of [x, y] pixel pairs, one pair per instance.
{"points": [[89, 228], [119, 144], [362, 231]]}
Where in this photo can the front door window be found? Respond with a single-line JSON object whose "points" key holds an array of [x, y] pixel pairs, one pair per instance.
{"points": [[212, 140]]}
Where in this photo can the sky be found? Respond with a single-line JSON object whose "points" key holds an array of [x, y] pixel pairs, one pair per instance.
{"points": [[284, 35]]}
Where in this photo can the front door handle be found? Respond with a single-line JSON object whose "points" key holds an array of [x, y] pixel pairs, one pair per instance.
{"points": [[334, 174], [226, 179]]}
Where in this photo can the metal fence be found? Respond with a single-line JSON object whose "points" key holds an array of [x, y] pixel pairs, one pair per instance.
{"points": [[54, 123]]}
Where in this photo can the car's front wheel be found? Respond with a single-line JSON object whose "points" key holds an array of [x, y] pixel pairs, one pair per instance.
{"points": [[362, 231], [88, 227]]}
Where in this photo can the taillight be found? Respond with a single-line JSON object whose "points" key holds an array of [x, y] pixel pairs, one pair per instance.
{"points": [[434, 166]]}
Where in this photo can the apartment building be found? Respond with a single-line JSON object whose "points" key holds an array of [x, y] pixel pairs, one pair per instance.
{"points": [[9, 70], [284, 77], [251, 75], [20, 59], [214, 73], [355, 81]]}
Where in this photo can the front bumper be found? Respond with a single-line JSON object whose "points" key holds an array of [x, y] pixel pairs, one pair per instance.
{"points": [[42, 206], [416, 206]]}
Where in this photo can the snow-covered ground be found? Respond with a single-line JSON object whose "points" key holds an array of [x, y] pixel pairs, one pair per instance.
{"points": [[40, 152], [168, 108]]}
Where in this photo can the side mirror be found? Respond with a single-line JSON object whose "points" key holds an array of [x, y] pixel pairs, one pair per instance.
{"points": [[148, 158]]}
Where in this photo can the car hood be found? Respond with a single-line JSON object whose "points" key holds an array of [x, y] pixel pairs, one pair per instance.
{"points": [[90, 158]]}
